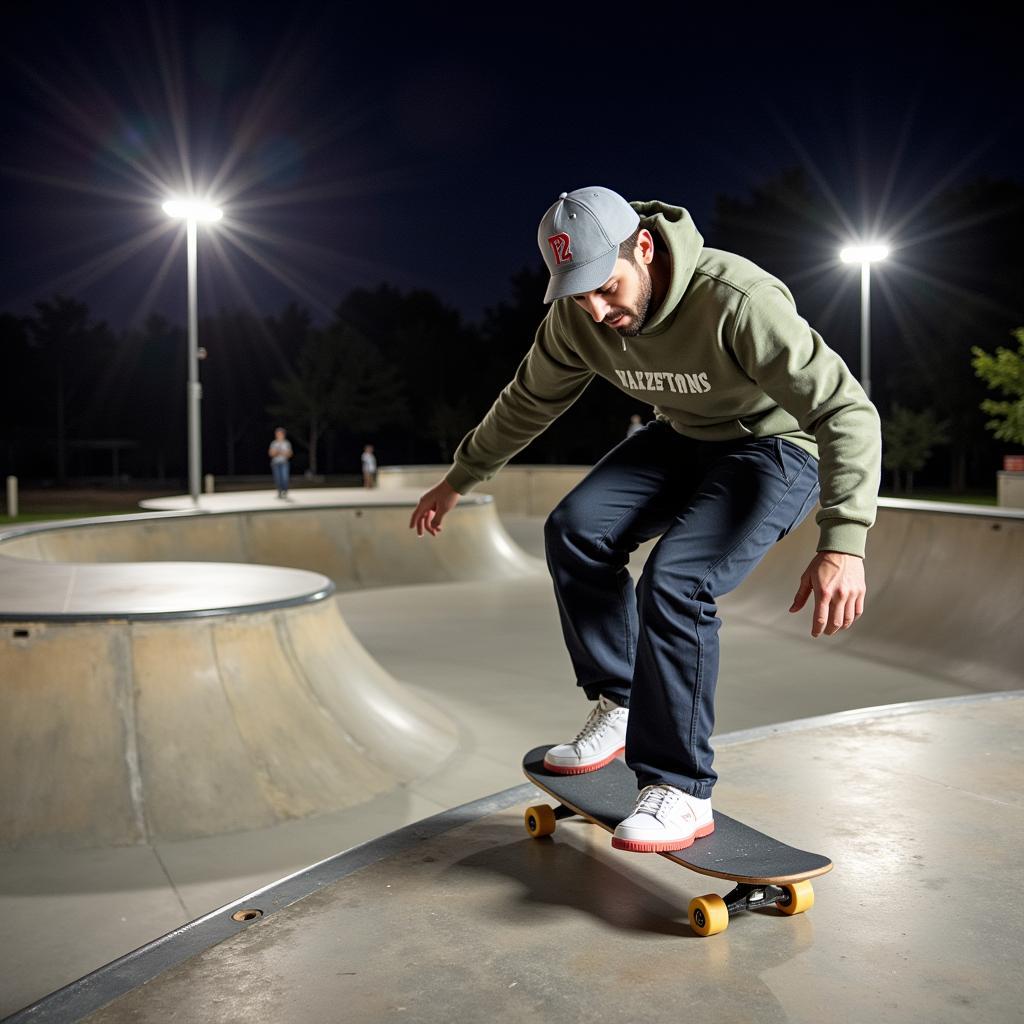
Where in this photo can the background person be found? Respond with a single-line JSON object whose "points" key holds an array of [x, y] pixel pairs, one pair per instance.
{"points": [[369, 461], [280, 452]]}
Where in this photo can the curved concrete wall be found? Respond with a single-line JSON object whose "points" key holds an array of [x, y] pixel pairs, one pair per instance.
{"points": [[273, 714], [356, 546], [191, 699], [945, 592], [945, 582], [519, 490], [118, 732]]}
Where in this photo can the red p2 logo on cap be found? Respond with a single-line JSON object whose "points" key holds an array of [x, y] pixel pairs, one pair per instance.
{"points": [[560, 247]]}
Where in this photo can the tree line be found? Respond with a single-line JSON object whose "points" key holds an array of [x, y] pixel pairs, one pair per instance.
{"points": [[406, 372]]}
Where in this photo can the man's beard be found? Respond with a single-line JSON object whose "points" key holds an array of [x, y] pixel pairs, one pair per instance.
{"points": [[638, 314]]}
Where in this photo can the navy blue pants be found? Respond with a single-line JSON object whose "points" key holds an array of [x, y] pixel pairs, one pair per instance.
{"points": [[718, 506], [280, 471]]}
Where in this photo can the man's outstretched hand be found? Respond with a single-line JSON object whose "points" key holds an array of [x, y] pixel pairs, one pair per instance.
{"points": [[837, 582], [433, 507]]}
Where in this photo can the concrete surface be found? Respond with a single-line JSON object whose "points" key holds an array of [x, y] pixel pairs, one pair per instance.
{"points": [[488, 655], [1010, 489], [921, 811], [133, 731], [355, 537], [34, 591], [521, 489], [124, 678]]}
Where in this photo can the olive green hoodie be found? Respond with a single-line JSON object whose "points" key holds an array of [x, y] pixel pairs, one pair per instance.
{"points": [[724, 356]]}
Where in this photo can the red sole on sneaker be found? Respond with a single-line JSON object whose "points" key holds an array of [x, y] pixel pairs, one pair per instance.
{"points": [[639, 846], [562, 769]]}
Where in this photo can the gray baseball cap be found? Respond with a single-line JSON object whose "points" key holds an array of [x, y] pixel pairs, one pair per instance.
{"points": [[579, 239]]}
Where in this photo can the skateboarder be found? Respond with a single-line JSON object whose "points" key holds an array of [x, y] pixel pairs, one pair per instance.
{"points": [[747, 399]]}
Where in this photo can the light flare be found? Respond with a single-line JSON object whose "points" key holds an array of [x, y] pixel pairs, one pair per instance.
{"points": [[864, 253], [193, 209]]}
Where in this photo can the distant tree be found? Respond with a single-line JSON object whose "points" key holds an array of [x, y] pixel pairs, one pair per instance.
{"points": [[19, 397], [908, 440], [782, 226], [434, 355], [71, 345], [448, 424], [307, 396], [370, 391], [508, 329], [245, 353], [149, 399], [288, 333], [1004, 371], [339, 378]]}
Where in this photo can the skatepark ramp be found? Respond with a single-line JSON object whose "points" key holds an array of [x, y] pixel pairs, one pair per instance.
{"points": [[192, 697], [147, 699], [522, 489], [233, 694], [945, 592], [358, 539], [132, 729], [945, 585]]}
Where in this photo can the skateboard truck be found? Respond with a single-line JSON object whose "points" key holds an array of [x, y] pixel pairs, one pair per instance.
{"points": [[710, 914]]}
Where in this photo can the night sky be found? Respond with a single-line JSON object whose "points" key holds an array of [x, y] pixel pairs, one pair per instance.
{"points": [[353, 145]]}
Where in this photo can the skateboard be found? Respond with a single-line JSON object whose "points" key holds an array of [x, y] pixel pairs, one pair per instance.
{"points": [[766, 872]]}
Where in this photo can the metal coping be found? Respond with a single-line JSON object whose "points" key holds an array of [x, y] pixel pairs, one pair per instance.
{"points": [[102, 986], [67, 618], [951, 508]]}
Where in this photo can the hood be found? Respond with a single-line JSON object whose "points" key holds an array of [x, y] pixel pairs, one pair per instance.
{"points": [[676, 229]]}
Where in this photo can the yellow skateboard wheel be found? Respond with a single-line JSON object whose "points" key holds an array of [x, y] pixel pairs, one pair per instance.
{"points": [[708, 914], [539, 820], [801, 898]]}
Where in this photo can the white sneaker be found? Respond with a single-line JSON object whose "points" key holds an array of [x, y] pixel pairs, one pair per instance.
{"points": [[602, 739], [665, 818]]}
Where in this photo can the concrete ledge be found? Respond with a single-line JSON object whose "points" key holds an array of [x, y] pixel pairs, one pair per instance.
{"points": [[151, 965], [1010, 489]]}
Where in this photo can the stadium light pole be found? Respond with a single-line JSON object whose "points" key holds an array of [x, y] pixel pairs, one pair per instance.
{"points": [[865, 255], [193, 211]]}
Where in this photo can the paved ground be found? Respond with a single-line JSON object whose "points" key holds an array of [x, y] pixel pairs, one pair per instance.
{"points": [[489, 657], [476, 921]]}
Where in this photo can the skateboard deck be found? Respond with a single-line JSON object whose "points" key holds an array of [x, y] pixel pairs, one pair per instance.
{"points": [[767, 872]]}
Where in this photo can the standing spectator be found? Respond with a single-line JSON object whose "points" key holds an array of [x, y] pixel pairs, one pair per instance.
{"points": [[369, 466], [280, 451], [635, 423]]}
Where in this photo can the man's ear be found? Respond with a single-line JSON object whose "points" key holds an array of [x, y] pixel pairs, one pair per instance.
{"points": [[645, 241]]}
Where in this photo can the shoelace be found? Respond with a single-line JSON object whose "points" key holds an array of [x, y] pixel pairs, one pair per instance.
{"points": [[597, 721], [656, 800]]}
